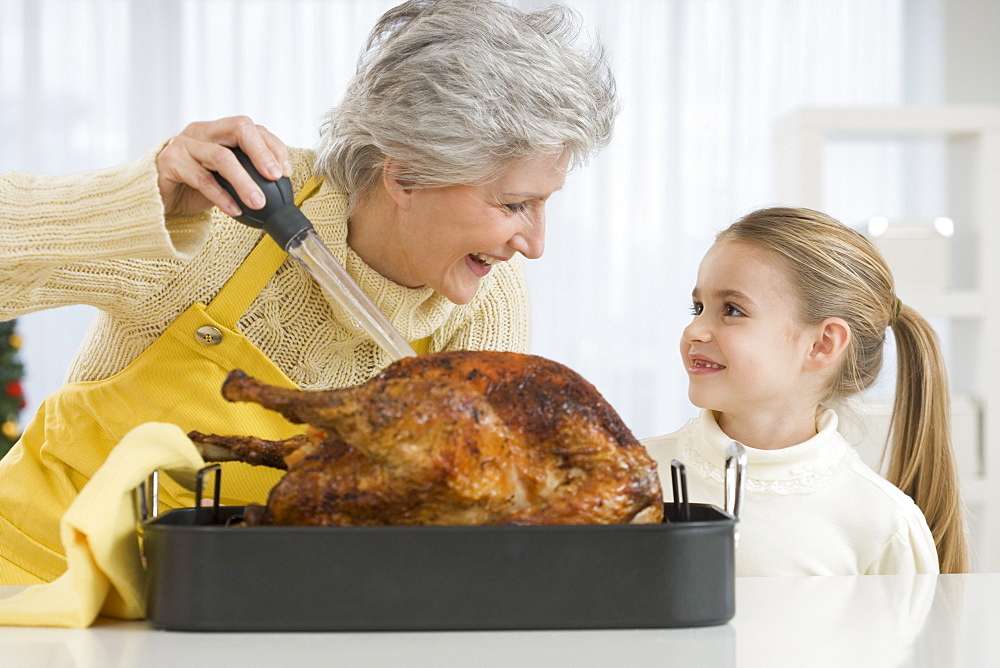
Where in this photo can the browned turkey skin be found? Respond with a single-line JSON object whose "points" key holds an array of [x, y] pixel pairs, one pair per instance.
{"points": [[455, 438]]}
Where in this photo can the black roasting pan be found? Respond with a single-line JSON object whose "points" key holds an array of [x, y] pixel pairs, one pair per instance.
{"points": [[206, 576]]}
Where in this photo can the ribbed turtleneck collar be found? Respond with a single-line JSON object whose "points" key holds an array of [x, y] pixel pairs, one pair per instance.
{"points": [[798, 467]]}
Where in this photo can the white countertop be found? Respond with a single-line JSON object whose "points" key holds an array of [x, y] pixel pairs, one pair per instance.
{"points": [[883, 621]]}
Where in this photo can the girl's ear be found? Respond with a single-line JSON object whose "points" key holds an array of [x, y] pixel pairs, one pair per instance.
{"points": [[833, 335], [400, 192]]}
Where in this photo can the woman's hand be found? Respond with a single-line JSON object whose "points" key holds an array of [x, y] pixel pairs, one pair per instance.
{"points": [[186, 162]]}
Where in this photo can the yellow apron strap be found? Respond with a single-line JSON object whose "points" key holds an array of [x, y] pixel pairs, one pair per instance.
{"points": [[422, 346], [310, 188], [244, 285], [251, 277]]}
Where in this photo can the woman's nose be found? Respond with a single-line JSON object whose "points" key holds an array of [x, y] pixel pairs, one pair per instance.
{"points": [[530, 240]]}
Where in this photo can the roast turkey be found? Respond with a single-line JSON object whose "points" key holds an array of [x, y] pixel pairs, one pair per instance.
{"points": [[454, 438]]}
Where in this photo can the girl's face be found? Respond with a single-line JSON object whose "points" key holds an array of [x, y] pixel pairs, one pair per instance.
{"points": [[453, 235], [745, 350]]}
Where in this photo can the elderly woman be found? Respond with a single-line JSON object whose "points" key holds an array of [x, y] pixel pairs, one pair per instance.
{"points": [[430, 177]]}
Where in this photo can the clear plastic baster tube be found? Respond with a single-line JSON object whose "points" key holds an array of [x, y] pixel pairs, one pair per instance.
{"points": [[307, 248]]}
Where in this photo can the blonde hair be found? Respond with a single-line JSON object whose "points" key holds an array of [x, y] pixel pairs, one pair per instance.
{"points": [[837, 272]]}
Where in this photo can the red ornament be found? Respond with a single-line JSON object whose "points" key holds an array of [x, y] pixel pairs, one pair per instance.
{"points": [[14, 390]]}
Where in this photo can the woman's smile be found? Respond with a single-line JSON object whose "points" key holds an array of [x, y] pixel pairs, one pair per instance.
{"points": [[481, 263]]}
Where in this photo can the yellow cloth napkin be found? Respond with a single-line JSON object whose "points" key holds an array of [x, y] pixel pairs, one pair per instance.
{"points": [[104, 574]]}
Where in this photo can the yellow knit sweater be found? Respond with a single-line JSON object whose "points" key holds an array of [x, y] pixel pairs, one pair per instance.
{"points": [[101, 239]]}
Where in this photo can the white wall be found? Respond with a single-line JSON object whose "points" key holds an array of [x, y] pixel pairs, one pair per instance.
{"points": [[972, 51]]}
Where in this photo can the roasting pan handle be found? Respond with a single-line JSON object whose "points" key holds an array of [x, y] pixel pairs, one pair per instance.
{"points": [[146, 498], [678, 477], [147, 507], [736, 465], [199, 488]]}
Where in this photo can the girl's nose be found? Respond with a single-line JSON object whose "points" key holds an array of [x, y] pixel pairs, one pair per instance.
{"points": [[696, 330]]}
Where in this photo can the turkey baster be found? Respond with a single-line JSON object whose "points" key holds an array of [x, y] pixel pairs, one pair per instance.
{"points": [[292, 231]]}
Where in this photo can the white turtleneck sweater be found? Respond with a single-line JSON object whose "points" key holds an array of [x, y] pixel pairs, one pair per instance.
{"points": [[809, 509]]}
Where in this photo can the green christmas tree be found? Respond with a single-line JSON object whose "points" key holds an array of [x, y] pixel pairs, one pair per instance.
{"points": [[11, 393]]}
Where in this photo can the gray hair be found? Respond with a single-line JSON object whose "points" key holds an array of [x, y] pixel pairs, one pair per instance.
{"points": [[456, 90]]}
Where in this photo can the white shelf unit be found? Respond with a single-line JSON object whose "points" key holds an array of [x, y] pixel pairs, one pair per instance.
{"points": [[972, 134]]}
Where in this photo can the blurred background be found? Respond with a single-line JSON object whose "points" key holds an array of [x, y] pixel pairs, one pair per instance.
{"points": [[728, 106]]}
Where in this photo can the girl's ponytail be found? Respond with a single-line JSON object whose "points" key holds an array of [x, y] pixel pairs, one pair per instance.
{"points": [[921, 461]]}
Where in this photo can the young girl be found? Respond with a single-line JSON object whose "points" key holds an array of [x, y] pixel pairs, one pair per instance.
{"points": [[790, 315]]}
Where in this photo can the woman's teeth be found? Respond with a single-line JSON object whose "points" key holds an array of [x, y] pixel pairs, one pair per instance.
{"points": [[484, 258], [707, 365]]}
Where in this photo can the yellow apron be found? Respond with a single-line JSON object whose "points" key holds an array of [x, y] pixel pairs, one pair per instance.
{"points": [[177, 380]]}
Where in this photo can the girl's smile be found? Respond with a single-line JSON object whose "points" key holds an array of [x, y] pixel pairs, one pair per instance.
{"points": [[702, 365]]}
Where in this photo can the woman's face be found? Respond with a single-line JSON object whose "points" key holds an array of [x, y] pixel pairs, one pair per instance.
{"points": [[452, 236], [745, 349]]}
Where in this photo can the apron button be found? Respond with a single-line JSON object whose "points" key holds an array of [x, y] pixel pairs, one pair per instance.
{"points": [[208, 335]]}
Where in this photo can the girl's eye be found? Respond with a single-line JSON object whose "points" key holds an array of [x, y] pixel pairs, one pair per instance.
{"points": [[516, 207], [733, 310], [697, 308]]}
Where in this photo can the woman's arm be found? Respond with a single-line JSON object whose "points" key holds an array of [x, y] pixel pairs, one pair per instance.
{"points": [[51, 224], [78, 239]]}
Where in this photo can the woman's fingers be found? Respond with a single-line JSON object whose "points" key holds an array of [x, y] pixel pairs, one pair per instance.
{"points": [[267, 153], [186, 183], [186, 163], [278, 150]]}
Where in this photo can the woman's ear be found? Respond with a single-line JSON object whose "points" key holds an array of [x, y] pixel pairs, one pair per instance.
{"points": [[400, 192], [833, 335]]}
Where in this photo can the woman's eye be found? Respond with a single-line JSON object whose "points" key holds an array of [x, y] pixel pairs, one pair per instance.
{"points": [[516, 207], [697, 308]]}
